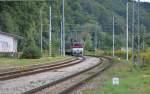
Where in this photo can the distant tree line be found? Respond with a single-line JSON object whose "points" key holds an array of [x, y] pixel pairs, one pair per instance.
{"points": [[84, 19]]}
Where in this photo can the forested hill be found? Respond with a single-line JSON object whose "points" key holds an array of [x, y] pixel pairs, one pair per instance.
{"points": [[83, 20]]}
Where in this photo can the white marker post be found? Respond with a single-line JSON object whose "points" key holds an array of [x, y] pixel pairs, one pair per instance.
{"points": [[115, 81]]}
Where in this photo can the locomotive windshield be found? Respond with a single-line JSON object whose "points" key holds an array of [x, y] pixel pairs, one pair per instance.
{"points": [[77, 45]]}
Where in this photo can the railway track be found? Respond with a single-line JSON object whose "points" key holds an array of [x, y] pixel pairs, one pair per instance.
{"points": [[63, 86], [38, 69]]}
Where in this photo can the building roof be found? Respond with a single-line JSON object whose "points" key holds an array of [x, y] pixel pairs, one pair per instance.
{"points": [[12, 35]]}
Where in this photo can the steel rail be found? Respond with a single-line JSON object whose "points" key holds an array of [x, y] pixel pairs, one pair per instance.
{"points": [[35, 90], [39, 69], [66, 91]]}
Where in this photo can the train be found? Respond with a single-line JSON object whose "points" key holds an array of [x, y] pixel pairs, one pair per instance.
{"points": [[75, 49]]}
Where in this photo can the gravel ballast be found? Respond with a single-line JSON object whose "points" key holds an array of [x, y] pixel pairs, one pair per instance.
{"points": [[22, 84]]}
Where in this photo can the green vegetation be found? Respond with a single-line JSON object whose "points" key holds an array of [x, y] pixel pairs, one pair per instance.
{"points": [[145, 58], [118, 53], [31, 53], [131, 81], [8, 62], [87, 17]]}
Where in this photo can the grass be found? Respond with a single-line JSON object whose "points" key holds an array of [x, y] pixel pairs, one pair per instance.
{"points": [[132, 81], [4, 62]]}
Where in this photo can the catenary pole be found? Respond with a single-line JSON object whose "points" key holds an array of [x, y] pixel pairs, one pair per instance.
{"points": [[138, 31], [143, 39], [50, 30], [41, 30], [76, 35], [133, 15], [127, 49], [63, 22], [61, 39], [95, 39], [113, 37]]}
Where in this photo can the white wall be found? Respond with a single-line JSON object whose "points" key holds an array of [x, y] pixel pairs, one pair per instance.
{"points": [[7, 43]]}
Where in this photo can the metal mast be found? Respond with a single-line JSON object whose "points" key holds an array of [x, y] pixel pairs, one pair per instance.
{"points": [[50, 30], [143, 38], [127, 31], [139, 31], [113, 37], [61, 37], [63, 29], [41, 30], [133, 32], [95, 39]]}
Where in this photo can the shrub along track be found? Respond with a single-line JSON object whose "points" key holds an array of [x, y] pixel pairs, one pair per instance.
{"points": [[39, 69], [67, 84]]}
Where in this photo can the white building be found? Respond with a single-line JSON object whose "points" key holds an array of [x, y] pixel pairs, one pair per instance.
{"points": [[8, 43]]}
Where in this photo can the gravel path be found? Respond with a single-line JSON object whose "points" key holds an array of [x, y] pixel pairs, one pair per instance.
{"points": [[22, 84]]}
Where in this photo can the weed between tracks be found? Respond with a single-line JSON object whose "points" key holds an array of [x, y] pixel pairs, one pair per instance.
{"points": [[131, 81], [10, 62]]}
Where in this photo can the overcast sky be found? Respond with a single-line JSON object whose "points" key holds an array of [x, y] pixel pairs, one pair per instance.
{"points": [[144, 0]]}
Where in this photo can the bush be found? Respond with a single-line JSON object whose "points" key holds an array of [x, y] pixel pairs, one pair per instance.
{"points": [[31, 53], [118, 53], [145, 58], [122, 54], [107, 53]]}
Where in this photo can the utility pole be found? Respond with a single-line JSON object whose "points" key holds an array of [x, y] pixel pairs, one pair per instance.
{"points": [[133, 31], [63, 18], [113, 36], [76, 35], [95, 48], [61, 37], [143, 36], [50, 31], [143, 40], [41, 29], [138, 31], [127, 49]]}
